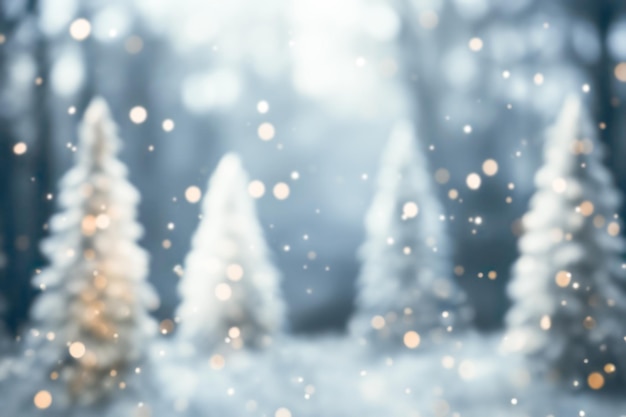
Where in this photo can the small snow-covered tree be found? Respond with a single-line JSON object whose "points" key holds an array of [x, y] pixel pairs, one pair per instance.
{"points": [[405, 283], [230, 290], [568, 286], [92, 313]]}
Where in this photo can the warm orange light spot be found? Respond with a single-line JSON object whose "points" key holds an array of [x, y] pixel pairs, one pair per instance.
{"points": [[42, 400], [595, 381]]}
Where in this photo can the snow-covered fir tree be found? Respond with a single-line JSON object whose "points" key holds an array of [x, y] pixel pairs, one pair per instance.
{"points": [[230, 290], [568, 286], [92, 315], [405, 291]]}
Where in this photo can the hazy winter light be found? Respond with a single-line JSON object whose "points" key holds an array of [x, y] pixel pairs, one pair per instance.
{"points": [[256, 189], [620, 72], [473, 181], [266, 131], [77, 350], [262, 107], [467, 370], [193, 194], [103, 221], [506, 74], [409, 210], [80, 29], [234, 272], [442, 176], [453, 194], [411, 339], [589, 322], [168, 125], [281, 191], [586, 208], [217, 362], [613, 229], [595, 380], [378, 322], [563, 278], [133, 45], [490, 167], [545, 323], [234, 332], [138, 114], [559, 185], [428, 19], [282, 412], [166, 326], [476, 44], [586, 88], [467, 129], [538, 79], [20, 148], [223, 292], [295, 175], [42, 400]]}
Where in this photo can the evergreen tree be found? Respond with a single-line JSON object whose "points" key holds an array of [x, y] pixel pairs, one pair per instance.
{"points": [[405, 284], [568, 285], [230, 290], [91, 316]]}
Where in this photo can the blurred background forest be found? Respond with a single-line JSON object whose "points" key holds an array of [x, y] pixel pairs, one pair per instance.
{"points": [[306, 91]]}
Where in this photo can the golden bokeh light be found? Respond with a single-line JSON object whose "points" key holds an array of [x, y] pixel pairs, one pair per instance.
{"points": [[620, 72], [193, 194], [234, 272], [475, 44], [490, 167], [80, 29], [138, 114], [563, 278], [223, 292], [168, 125], [589, 323], [42, 400], [378, 322], [613, 229], [409, 210], [234, 332], [256, 189], [166, 326], [217, 362], [20, 148], [282, 412], [77, 350], [266, 131], [281, 191], [473, 181], [586, 208], [411, 339], [595, 380]]}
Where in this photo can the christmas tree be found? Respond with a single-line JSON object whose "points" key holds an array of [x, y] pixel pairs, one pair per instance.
{"points": [[406, 294], [92, 314], [568, 284], [230, 289]]}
